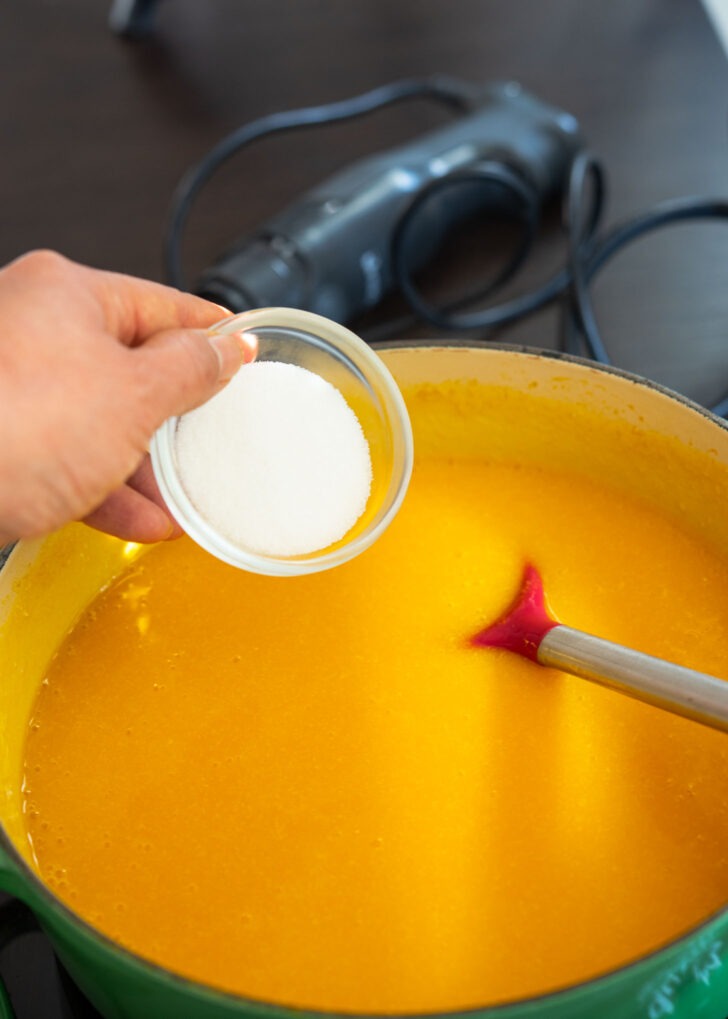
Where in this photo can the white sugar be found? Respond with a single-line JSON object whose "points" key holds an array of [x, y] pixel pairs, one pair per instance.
{"points": [[277, 461]]}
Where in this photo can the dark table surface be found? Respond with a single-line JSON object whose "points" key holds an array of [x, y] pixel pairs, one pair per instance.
{"points": [[96, 132]]}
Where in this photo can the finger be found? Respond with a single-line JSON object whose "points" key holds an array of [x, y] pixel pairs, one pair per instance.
{"points": [[178, 370], [131, 309], [136, 309], [131, 516], [144, 482]]}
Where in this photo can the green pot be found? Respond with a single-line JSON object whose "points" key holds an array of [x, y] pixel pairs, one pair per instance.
{"points": [[46, 584]]}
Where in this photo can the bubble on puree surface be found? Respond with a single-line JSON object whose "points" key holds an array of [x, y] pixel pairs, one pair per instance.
{"points": [[277, 462]]}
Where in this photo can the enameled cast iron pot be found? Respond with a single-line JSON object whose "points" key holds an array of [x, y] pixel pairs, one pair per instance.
{"points": [[46, 584]]}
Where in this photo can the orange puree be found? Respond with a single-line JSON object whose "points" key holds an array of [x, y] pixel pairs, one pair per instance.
{"points": [[313, 791]]}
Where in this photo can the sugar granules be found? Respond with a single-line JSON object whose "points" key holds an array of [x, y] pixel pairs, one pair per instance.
{"points": [[277, 462]]}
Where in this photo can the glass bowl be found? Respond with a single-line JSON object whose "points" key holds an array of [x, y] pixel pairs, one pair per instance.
{"points": [[342, 359]]}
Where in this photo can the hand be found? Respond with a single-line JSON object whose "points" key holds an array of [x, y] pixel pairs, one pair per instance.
{"points": [[91, 364]]}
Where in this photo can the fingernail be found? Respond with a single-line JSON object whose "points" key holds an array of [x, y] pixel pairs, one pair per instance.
{"points": [[226, 311], [233, 350], [249, 343], [174, 531]]}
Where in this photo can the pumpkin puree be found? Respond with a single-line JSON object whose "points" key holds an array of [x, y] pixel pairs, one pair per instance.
{"points": [[314, 791]]}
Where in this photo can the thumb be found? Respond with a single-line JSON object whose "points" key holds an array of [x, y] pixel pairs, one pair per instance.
{"points": [[182, 368]]}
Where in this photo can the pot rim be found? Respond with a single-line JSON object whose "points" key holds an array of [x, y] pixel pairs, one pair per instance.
{"points": [[48, 900], [550, 353]]}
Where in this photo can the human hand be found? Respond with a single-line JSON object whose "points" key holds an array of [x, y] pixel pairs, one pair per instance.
{"points": [[91, 364]]}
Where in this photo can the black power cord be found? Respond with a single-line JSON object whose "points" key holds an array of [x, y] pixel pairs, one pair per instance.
{"points": [[449, 318], [440, 88], [587, 256], [587, 251]]}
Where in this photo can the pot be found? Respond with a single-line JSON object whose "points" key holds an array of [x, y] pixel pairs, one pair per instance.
{"points": [[47, 583]]}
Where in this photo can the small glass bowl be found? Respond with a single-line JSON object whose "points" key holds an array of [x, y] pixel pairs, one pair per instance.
{"points": [[342, 359]]}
